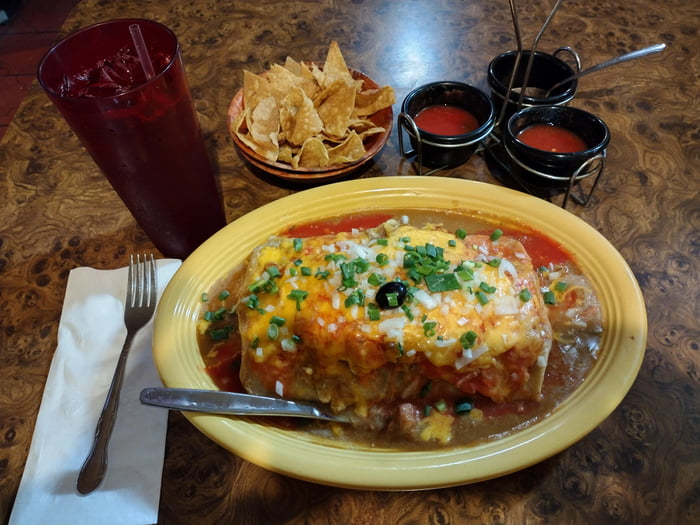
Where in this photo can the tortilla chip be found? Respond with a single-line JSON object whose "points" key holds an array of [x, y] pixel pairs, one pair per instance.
{"points": [[372, 100], [335, 68], [337, 107], [265, 128], [351, 150], [298, 117], [313, 154]]}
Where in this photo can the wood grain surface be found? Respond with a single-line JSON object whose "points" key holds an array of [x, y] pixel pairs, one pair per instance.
{"points": [[641, 465]]}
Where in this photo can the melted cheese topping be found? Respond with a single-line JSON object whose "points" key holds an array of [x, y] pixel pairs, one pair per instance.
{"points": [[310, 305]]}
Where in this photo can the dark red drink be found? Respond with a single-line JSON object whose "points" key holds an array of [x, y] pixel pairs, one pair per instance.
{"points": [[143, 134]]}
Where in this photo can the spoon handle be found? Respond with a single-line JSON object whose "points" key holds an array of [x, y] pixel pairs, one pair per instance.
{"points": [[622, 58]]}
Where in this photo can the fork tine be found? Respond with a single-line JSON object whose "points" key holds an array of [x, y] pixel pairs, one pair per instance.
{"points": [[131, 282], [153, 283]]}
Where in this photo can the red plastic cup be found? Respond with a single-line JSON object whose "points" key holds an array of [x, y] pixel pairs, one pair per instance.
{"points": [[142, 133]]}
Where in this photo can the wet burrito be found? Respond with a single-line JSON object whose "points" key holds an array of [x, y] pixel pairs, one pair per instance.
{"points": [[376, 321]]}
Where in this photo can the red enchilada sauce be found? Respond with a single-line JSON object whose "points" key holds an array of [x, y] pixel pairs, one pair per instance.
{"points": [[567, 365], [547, 137], [447, 120]]}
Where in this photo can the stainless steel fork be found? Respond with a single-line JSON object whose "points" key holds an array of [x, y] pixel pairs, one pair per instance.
{"points": [[140, 304]]}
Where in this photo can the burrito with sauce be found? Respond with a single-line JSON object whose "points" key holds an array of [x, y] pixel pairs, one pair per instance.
{"points": [[372, 320]]}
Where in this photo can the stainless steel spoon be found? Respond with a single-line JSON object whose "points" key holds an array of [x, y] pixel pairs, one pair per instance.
{"points": [[218, 402], [617, 60]]}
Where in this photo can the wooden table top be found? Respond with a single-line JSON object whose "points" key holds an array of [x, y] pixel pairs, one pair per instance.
{"points": [[641, 465]]}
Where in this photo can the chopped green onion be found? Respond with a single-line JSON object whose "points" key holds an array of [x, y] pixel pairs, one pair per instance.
{"points": [[392, 299], [560, 286], [220, 314], [467, 339], [255, 342], [208, 316], [224, 295], [335, 257], [306, 271], [382, 259], [383, 242], [442, 282], [465, 274], [277, 320], [357, 297], [252, 301], [292, 271], [549, 298], [373, 312], [405, 239], [496, 234], [347, 271], [452, 243], [220, 334], [429, 328], [407, 310], [298, 262], [298, 296], [361, 265], [204, 297], [484, 287], [481, 297], [461, 233], [273, 271], [273, 332], [495, 262], [463, 406], [525, 295], [376, 279], [322, 274], [298, 244], [441, 405]]}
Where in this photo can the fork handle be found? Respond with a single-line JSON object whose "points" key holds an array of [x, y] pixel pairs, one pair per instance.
{"points": [[93, 470]]}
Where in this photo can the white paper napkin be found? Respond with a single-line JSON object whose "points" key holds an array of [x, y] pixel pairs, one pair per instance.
{"points": [[90, 336]]}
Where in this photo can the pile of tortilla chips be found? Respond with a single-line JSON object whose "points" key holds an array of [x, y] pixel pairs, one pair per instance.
{"points": [[309, 117]]}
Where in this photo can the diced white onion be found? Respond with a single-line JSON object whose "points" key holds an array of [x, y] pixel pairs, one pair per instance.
{"points": [[392, 327], [288, 345], [469, 355], [279, 388], [507, 267], [505, 305], [425, 299]]}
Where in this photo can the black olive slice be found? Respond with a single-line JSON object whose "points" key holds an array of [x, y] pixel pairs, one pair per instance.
{"points": [[391, 295]]}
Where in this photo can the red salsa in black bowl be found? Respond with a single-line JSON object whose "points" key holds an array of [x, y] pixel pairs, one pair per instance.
{"points": [[550, 145], [445, 121]]}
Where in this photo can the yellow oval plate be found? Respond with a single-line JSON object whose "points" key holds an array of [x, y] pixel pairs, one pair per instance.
{"points": [[311, 458]]}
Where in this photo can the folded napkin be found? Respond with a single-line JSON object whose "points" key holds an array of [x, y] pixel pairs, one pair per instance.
{"points": [[90, 336]]}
